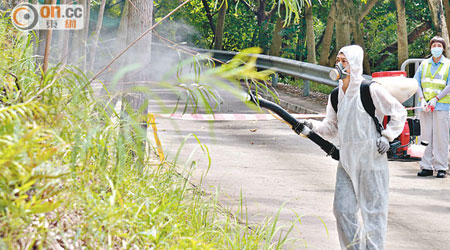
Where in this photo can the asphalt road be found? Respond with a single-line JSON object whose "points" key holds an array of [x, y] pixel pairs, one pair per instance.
{"points": [[273, 169]]}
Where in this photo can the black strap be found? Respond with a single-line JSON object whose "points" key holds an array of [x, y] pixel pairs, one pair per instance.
{"points": [[334, 98], [366, 100]]}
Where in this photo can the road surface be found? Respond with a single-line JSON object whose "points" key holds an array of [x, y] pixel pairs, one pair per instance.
{"points": [[273, 168]]}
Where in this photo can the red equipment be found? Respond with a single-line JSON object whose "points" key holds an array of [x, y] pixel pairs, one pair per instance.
{"points": [[403, 147]]}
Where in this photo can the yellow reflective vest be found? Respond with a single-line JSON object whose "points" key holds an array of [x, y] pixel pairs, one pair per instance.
{"points": [[432, 85]]}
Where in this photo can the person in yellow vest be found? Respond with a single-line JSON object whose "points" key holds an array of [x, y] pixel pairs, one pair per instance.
{"points": [[433, 92]]}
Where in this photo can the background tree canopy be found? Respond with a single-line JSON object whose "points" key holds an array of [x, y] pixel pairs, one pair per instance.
{"points": [[305, 30], [244, 28]]}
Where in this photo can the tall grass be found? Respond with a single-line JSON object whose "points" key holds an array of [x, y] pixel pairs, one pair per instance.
{"points": [[69, 178]]}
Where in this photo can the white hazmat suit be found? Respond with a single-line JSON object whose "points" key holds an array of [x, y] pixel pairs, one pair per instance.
{"points": [[362, 178]]}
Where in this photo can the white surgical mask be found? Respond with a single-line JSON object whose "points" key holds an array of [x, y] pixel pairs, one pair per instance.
{"points": [[436, 51]]}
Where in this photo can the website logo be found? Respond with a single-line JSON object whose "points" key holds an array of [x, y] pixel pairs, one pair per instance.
{"points": [[48, 17]]}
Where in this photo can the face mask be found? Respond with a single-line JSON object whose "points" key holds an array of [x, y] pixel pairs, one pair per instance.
{"points": [[339, 72], [436, 51]]}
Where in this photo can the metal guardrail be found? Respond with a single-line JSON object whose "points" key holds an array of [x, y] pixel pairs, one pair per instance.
{"points": [[416, 62], [303, 70], [411, 102]]}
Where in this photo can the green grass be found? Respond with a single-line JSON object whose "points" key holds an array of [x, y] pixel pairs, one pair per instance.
{"points": [[69, 176]]}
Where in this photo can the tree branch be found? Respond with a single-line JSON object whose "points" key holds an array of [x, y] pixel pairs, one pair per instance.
{"points": [[412, 36], [271, 12], [209, 16], [366, 9], [248, 6]]}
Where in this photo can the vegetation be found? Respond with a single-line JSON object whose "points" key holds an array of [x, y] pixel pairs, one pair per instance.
{"points": [[70, 178], [378, 26], [73, 174]]}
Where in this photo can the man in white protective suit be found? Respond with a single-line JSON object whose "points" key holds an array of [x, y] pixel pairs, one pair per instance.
{"points": [[362, 178]]}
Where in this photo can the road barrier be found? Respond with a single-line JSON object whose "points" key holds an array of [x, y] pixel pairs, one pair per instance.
{"points": [[283, 66], [416, 62]]}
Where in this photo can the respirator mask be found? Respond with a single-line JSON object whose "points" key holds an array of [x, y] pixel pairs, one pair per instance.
{"points": [[339, 72]]}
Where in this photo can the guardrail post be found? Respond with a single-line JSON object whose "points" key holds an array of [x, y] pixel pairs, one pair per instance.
{"points": [[306, 87], [274, 80], [416, 97], [413, 101]]}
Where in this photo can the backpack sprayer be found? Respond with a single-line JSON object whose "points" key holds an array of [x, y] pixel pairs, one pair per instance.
{"points": [[396, 83], [402, 88]]}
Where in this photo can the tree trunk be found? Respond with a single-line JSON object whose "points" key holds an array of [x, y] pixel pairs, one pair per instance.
{"points": [[48, 44], [402, 33], [299, 46], [447, 12], [65, 46], [328, 35], [121, 36], [332, 60], [42, 36], [87, 18], [357, 35], [80, 41], [437, 13], [97, 34], [342, 24], [310, 37], [209, 16], [275, 47], [109, 94], [139, 20], [262, 21], [63, 42], [263, 37], [262, 18], [218, 38], [34, 35], [366, 9]]}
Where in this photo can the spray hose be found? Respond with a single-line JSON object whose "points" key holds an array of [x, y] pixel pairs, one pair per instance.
{"points": [[297, 126]]}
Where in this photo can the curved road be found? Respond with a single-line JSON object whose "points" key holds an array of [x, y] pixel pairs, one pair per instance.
{"points": [[272, 166]]}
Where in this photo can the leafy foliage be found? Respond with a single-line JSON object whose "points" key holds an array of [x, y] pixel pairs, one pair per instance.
{"points": [[70, 178], [242, 30]]}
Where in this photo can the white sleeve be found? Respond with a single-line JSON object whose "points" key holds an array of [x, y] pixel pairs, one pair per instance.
{"points": [[327, 127], [386, 104]]}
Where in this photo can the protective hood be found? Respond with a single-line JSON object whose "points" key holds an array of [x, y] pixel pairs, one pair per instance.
{"points": [[355, 56]]}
